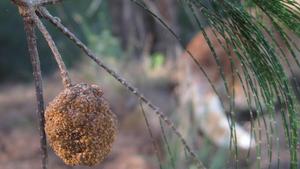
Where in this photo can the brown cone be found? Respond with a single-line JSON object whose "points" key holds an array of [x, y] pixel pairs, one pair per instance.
{"points": [[80, 126]]}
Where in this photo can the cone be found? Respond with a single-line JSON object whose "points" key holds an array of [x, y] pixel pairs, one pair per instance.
{"points": [[80, 126]]}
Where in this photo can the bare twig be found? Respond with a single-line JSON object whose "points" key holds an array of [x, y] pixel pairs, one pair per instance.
{"points": [[32, 47], [47, 2], [168, 28], [20, 3], [43, 11], [63, 70], [155, 146], [34, 3]]}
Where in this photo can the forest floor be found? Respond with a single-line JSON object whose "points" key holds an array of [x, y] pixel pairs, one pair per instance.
{"points": [[19, 138]]}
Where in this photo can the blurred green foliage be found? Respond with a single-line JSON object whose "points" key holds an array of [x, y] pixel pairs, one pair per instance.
{"points": [[105, 44], [90, 19], [99, 36], [94, 29], [14, 58], [157, 60]]}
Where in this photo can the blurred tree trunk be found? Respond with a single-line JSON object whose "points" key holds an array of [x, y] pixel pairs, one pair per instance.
{"points": [[167, 10], [139, 32]]}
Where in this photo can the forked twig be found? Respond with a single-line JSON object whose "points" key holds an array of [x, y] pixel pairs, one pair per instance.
{"points": [[44, 13], [29, 27]]}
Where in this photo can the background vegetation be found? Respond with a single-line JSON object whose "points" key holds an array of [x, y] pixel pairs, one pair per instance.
{"points": [[126, 37], [109, 27]]}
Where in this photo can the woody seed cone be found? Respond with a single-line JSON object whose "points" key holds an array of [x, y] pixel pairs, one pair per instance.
{"points": [[80, 126]]}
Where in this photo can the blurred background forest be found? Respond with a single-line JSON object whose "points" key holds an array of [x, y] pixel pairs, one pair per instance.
{"points": [[117, 29], [122, 34], [130, 40]]}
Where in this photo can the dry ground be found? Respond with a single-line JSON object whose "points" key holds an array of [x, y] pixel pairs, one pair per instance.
{"points": [[19, 140]]}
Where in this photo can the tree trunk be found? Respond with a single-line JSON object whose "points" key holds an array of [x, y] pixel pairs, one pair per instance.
{"points": [[139, 32]]}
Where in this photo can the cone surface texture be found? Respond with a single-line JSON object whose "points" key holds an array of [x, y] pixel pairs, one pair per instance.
{"points": [[80, 126]]}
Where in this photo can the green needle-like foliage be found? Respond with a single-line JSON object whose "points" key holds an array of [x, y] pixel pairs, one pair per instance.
{"points": [[261, 65], [250, 36], [284, 11]]}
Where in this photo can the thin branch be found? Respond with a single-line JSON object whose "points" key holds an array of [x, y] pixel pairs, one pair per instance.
{"points": [[34, 3], [165, 139], [155, 146], [62, 67], [47, 2], [43, 11], [32, 48], [20, 3], [168, 28]]}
